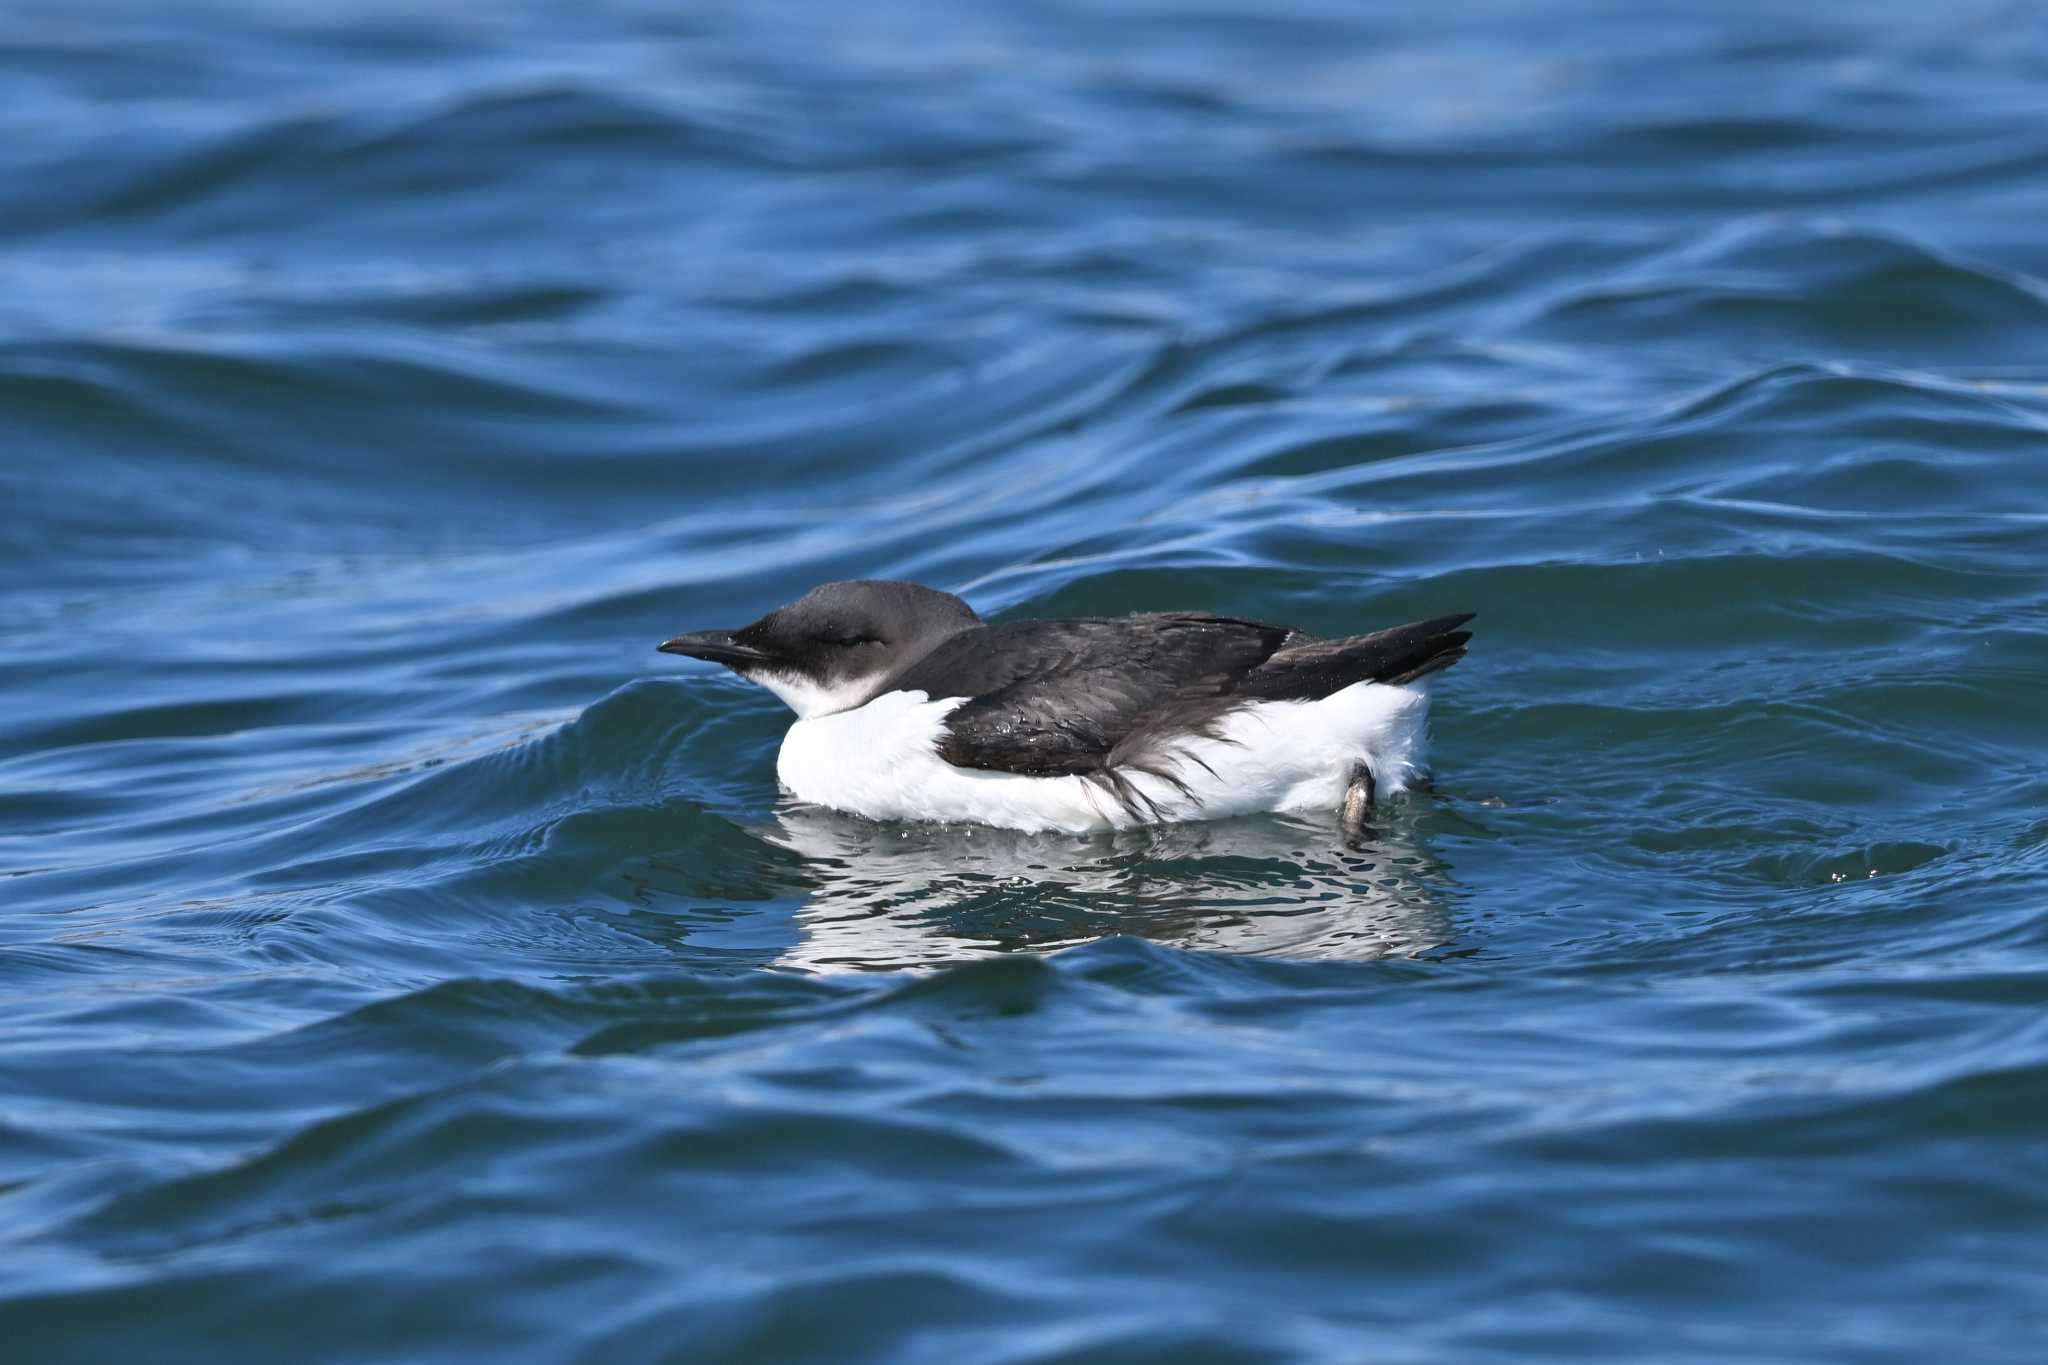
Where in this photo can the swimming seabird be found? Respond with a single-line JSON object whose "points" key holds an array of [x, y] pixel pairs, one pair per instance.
{"points": [[911, 707]]}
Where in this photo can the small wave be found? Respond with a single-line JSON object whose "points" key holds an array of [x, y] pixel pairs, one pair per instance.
{"points": [[418, 153], [1857, 290], [1833, 869]]}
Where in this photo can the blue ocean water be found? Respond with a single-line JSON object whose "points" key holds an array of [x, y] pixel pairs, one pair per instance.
{"points": [[399, 960]]}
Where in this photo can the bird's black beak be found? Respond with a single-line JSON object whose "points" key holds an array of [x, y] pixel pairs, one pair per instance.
{"points": [[718, 646]]}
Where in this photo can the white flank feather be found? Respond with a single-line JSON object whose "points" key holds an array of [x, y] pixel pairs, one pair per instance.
{"points": [[881, 760]]}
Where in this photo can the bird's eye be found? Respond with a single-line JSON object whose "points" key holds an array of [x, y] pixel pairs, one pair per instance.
{"points": [[850, 640]]}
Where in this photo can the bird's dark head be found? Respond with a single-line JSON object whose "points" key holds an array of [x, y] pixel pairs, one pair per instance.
{"points": [[835, 647]]}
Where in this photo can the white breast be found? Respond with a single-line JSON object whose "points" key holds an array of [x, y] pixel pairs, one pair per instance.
{"points": [[881, 760]]}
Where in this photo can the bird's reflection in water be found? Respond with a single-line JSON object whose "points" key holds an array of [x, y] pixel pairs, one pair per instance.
{"points": [[895, 895]]}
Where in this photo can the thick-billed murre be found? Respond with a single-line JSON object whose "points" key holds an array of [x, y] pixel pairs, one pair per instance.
{"points": [[911, 707]]}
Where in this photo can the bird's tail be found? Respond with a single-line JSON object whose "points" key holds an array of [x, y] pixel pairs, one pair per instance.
{"points": [[1401, 654]]}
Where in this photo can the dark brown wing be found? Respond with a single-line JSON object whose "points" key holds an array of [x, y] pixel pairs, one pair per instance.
{"points": [[1055, 697]]}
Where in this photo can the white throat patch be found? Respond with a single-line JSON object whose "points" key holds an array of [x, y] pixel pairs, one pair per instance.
{"points": [[808, 698]]}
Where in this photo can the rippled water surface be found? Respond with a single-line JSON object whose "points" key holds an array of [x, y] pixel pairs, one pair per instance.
{"points": [[400, 960]]}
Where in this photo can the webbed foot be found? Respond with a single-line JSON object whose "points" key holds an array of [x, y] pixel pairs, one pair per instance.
{"points": [[1358, 798]]}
